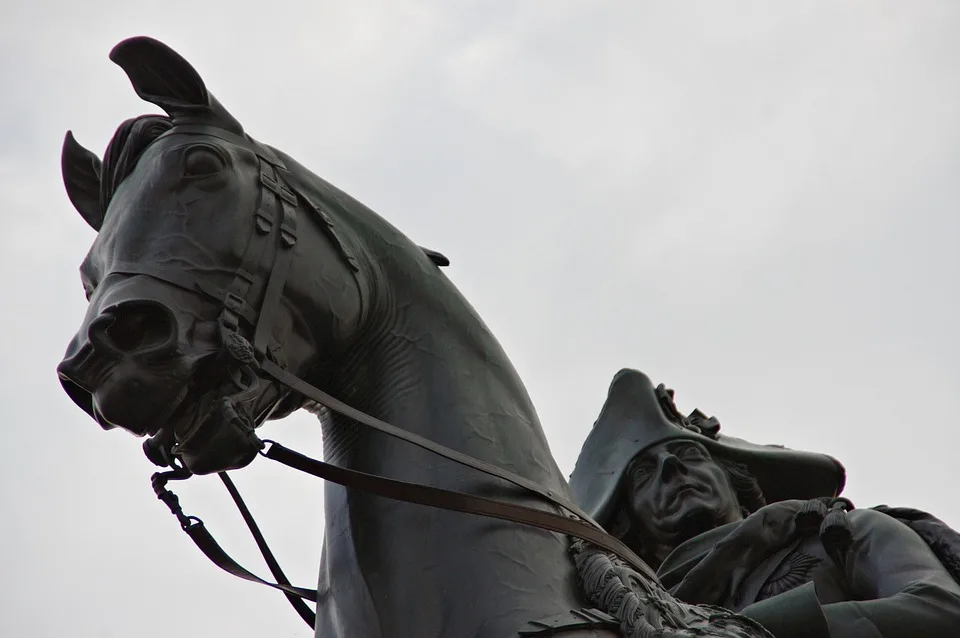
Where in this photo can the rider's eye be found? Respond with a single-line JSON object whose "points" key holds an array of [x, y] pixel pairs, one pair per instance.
{"points": [[201, 161], [690, 452], [640, 474]]}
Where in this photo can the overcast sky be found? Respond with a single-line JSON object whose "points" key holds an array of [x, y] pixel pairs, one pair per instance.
{"points": [[755, 203]]}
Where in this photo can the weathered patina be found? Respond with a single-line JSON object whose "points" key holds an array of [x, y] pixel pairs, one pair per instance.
{"points": [[227, 284]]}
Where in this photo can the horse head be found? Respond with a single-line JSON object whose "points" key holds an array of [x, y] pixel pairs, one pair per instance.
{"points": [[199, 269]]}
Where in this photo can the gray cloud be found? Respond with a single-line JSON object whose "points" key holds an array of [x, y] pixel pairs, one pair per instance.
{"points": [[753, 203]]}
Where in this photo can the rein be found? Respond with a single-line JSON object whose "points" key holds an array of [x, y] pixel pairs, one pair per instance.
{"points": [[279, 212]]}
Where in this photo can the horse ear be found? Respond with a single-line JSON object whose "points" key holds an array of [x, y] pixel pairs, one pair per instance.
{"points": [[81, 177], [163, 77]]}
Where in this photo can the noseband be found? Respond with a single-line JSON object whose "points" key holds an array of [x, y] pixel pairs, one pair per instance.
{"points": [[275, 215]]}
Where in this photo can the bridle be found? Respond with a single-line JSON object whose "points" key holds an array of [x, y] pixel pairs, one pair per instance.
{"points": [[275, 217]]}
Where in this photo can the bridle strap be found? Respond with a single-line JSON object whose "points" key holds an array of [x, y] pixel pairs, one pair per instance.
{"points": [[293, 594], [287, 201], [198, 533], [234, 301]]}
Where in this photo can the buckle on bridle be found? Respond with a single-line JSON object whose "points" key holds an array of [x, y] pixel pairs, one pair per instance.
{"points": [[278, 188], [172, 501], [232, 309], [265, 444]]}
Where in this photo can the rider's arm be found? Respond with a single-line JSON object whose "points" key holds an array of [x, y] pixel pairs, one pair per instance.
{"points": [[901, 590]]}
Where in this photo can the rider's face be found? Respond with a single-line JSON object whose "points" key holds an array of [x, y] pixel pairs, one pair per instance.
{"points": [[675, 490]]}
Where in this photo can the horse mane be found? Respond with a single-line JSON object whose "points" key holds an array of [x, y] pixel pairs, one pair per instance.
{"points": [[126, 146]]}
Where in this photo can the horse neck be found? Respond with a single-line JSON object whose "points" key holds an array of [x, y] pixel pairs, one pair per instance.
{"points": [[425, 362], [428, 364]]}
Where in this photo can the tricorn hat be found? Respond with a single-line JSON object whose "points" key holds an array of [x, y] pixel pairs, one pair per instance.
{"points": [[637, 415]]}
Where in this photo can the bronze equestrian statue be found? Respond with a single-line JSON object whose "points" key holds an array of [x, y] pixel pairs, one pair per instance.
{"points": [[760, 529], [228, 285]]}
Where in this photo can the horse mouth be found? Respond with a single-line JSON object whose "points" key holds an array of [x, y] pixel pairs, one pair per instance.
{"points": [[191, 414], [213, 425], [204, 408]]}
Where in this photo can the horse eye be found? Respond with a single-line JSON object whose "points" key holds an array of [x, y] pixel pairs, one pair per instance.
{"points": [[200, 161]]}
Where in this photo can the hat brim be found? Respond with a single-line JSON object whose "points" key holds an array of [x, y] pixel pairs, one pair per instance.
{"points": [[633, 420]]}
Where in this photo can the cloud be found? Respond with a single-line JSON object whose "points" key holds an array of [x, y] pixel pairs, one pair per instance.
{"points": [[753, 203]]}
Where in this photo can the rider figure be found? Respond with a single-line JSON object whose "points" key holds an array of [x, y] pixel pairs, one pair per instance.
{"points": [[759, 528]]}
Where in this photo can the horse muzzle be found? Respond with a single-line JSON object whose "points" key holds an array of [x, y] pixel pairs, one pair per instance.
{"points": [[127, 372]]}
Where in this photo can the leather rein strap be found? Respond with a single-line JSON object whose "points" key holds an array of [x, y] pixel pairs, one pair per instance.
{"points": [[577, 524], [302, 387], [280, 211]]}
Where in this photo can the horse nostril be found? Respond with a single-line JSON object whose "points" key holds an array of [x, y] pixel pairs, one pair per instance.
{"points": [[133, 326]]}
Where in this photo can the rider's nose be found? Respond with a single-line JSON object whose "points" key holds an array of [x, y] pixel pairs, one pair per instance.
{"points": [[133, 327], [670, 466]]}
